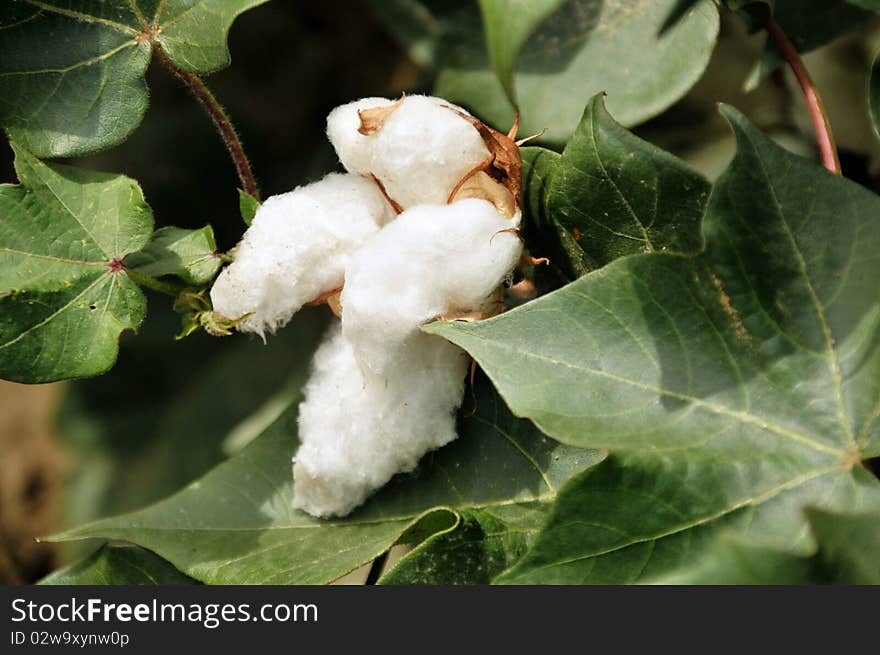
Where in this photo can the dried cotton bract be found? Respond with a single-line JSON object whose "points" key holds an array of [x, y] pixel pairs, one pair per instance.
{"points": [[382, 393]]}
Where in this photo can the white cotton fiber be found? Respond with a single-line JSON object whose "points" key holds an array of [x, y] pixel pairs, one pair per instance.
{"points": [[382, 392], [297, 248], [358, 429], [421, 152], [355, 150], [434, 260]]}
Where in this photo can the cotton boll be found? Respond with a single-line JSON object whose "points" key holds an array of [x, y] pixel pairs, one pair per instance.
{"points": [[297, 248], [357, 428], [433, 260], [421, 152]]}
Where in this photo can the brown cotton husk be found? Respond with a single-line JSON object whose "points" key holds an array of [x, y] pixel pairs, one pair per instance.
{"points": [[505, 163], [480, 185], [372, 120]]}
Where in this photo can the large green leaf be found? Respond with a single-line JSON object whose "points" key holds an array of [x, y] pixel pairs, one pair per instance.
{"points": [[585, 47], [507, 24], [848, 553], [190, 255], [638, 517], [236, 524], [72, 71], [119, 565], [611, 194], [733, 388], [64, 296]]}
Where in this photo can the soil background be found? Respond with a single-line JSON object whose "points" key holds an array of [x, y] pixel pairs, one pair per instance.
{"points": [[32, 472]]}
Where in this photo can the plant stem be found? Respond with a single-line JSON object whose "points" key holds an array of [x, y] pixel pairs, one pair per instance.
{"points": [[221, 120], [149, 282], [824, 136]]}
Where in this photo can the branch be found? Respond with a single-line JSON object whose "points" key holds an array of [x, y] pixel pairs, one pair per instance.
{"points": [[824, 137], [221, 120]]}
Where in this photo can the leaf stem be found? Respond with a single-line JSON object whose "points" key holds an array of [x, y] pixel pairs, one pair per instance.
{"points": [[221, 121], [150, 282], [824, 136]]}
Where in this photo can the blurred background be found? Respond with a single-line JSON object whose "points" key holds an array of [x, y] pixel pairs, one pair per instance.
{"points": [[71, 452]]}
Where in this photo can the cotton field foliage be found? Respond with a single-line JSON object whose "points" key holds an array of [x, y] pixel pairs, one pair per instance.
{"points": [[422, 227]]}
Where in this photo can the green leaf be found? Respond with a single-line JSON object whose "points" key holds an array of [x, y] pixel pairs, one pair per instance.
{"points": [[849, 545], [119, 565], [732, 559], [543, 233], [190, 255], [608, 195], [247, 206], [618, 195], [848, 553], [72, 71], [193, 32], [611, 46], [236, 524], [64, 297], [481, 545], [733, 388], [508, 23], [637, 517]]}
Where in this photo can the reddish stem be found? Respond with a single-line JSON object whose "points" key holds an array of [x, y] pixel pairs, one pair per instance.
{"points": [[221, 120], [824, 137]]}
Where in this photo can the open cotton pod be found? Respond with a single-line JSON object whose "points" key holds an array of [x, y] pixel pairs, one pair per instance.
{"points": [[419, 147], [297, 248], [423, 227]]}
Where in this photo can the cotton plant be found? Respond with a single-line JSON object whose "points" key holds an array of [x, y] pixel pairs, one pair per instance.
{"points": [[423, 226]]}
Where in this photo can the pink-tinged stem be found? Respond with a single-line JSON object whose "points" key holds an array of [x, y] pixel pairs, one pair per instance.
{"points": [[221, 120], [824, 137]]}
